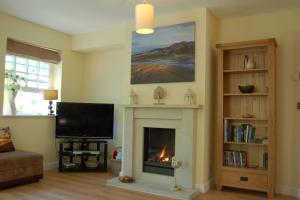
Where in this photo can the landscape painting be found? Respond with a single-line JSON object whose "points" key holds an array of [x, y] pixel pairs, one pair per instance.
{"points": [[167, 55]]}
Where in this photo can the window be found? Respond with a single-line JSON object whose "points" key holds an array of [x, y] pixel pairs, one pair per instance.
{"points": [[29, 69], [38, 76], [35, 72]]}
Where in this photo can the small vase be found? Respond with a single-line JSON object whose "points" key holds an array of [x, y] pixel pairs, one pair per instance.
{"points": [[248, 62], [11, 97]]}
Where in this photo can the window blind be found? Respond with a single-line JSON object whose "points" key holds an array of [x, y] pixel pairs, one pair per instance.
{"points": [[32, 52]]}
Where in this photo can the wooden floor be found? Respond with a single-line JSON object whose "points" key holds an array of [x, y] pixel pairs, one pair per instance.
{"points": [[91, 186]]}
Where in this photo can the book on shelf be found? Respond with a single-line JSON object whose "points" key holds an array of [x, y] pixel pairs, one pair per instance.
{"points": [[227, 131], [265, 160], [243, 133], [240, 134], [235, 158]]}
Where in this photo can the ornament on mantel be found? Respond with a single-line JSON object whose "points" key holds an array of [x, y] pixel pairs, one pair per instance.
{"points": [[189, 97], [132, 97], [158, 95]]}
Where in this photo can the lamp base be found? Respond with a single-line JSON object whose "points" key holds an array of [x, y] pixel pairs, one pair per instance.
{"points": [[51, 112]]}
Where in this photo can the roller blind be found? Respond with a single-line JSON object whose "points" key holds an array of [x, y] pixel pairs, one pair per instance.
{"points": [[21, 49]]}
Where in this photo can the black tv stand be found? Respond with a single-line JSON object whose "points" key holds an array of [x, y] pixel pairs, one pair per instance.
{"points": [[76, 155]]}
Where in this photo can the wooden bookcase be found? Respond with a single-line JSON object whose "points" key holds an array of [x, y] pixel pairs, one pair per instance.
{"points": [[232, 105]]}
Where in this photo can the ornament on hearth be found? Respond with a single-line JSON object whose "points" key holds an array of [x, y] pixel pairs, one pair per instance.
{"points": [[175, 164]]}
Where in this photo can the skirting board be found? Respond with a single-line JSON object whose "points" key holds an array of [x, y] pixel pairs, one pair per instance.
{"points": [[286, 190], [50, 166], [205, 187]]}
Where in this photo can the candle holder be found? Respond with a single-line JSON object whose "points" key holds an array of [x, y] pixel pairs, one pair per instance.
{"points": [[175, 164]]}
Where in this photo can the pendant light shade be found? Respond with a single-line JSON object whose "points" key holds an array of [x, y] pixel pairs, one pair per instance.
{"points": [[144, 18]]}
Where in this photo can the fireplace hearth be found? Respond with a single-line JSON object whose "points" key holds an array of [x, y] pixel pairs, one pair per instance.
{"points": [[159, 148]]}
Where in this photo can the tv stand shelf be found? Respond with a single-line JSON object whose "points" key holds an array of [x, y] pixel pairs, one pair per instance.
{"points": [[76, 155]]}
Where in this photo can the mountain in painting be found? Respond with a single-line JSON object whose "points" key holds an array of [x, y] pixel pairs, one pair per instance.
{"points": [[176, 51], [174, 63]]}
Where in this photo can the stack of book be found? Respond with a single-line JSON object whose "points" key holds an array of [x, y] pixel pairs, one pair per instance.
{"points": [[243, 133], [235, 158]]}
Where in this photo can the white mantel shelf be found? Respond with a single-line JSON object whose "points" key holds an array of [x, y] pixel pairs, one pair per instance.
{"points": [[169, 106]]}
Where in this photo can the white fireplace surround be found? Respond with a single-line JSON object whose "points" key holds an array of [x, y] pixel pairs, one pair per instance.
{"points": [[181, 117]]}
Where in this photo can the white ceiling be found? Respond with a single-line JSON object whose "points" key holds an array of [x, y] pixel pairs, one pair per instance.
{"points": [[81, 16]]}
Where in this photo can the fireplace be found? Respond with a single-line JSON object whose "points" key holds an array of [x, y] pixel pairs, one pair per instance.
{"points": [[159, 148]]}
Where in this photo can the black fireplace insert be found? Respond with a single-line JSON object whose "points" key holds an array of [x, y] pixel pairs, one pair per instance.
{"points": [[159, 148]]}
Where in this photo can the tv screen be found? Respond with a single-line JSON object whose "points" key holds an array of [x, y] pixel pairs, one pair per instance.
{"points": [[84, 120]]}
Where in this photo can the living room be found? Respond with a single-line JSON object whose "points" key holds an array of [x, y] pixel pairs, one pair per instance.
{"points": [[95, 42]]}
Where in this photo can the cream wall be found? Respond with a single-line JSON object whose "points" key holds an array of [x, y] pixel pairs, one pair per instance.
{"points": [[107, 78], [284, 26], [37, 133], [104, 80], [212, 26], [113, 37]]}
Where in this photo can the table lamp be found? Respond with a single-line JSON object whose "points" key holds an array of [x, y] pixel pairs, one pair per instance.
{"points": [[50, 95]]}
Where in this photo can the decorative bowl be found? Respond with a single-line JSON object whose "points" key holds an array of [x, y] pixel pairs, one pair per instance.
{"points": [[246, 88], [91, 163]]}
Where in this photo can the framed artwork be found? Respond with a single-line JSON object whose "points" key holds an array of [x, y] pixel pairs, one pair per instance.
{"points": [[166, 56]]}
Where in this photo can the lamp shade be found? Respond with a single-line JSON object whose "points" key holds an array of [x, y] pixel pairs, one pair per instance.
{"points": [[50, 94], [144, 18]]}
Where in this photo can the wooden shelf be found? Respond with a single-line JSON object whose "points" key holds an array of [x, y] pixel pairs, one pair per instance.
{"points": [[244, 143], [245, 94], [246, 170], [245, 119], [238, 71], [232, 105]]}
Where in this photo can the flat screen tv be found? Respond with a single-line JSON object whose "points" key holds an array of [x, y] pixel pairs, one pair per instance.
{"points": [[84, 120]]}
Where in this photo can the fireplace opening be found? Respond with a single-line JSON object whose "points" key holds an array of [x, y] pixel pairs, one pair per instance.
{"points": [[159, 148]]}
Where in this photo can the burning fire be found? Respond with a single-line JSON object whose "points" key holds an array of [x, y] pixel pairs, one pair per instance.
{"points": [[163, 156]]}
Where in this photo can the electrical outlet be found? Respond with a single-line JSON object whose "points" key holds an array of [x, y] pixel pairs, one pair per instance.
{"points": [[298, 105]]}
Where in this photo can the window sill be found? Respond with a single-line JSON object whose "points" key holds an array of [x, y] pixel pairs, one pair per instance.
{"points": [[33, 116]]}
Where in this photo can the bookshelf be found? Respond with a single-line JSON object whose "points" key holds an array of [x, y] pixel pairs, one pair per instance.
{"points": [[246, 146]]}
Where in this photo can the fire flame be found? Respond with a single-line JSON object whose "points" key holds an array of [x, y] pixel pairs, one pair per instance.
{"points": [[163, 155], [166, 159], [163, 152]]}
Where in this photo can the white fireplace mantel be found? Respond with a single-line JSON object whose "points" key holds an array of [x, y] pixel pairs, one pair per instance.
{"points": [[182, 118]]}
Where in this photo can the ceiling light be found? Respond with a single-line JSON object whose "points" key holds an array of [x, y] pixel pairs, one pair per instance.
{"points": [[144, 18]]}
